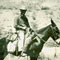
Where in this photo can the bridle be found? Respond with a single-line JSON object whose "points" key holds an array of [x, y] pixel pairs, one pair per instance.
{"points": [[54, 33], [39, 38]]}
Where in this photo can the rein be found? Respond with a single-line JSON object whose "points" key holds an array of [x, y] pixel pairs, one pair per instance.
{"points": [[39, 37]]}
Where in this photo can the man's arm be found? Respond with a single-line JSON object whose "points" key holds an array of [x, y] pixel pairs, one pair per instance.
{"points": [[20, 26], [17, 24]]}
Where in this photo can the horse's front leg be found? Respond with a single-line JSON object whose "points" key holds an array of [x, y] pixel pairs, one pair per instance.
{"points": [[33, 58]]}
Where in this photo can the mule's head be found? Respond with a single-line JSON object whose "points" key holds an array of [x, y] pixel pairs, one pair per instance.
{"points": [[55, 33]]}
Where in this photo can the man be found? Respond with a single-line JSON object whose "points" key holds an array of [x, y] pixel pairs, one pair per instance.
{"points": [[21, 25]]}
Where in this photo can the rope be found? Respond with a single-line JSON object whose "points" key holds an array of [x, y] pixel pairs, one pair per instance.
{"points": [[39, 37]]}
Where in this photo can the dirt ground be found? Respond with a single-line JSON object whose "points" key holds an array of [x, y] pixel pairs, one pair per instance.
{"points": [[39, 14], [48, 53]]}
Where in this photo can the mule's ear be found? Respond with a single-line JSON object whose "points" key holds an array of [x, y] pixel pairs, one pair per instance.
{"points": [[53, 24]]}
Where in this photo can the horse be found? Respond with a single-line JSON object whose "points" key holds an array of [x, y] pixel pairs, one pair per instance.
{"points": [[35, 45]]}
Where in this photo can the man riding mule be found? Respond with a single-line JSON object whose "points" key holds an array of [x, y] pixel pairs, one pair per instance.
{"points": [[34, 39], [35, 44], [21, 26]]}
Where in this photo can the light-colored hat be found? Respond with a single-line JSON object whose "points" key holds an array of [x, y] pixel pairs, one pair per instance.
{"points": [[23, 8]]}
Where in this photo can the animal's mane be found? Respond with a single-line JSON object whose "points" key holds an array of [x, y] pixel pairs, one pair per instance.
{"points": [[43, 29]]}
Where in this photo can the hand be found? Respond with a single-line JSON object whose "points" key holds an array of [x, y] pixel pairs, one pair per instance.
{"points": [[18, 26]]}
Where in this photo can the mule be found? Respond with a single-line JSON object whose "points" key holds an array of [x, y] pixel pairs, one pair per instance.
{"points": [[35, 45]]}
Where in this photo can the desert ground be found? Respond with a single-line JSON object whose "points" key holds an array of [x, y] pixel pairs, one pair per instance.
{"points": [[38, 18]]}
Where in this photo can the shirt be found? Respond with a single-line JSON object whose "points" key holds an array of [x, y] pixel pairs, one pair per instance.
{"points": [[22, 21]]}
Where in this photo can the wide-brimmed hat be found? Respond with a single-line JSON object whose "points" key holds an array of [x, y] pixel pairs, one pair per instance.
{"points": [[23, 9]]}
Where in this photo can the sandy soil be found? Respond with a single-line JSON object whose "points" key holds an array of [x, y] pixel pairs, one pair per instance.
{"points": [[38, 17]]}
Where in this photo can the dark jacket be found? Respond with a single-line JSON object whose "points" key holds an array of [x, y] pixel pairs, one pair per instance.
{"points": [[21, 21]]}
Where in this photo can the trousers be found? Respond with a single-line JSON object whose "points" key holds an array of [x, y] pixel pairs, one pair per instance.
{"points": [[21, 38]]}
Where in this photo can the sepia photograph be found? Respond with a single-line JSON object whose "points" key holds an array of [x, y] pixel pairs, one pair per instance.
{"points": [[29, 29]]}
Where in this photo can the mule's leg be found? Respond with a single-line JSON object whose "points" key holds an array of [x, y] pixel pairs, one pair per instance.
{"points": [[33, 58]]}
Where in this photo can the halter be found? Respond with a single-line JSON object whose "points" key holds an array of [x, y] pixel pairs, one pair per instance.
{"points": [[53, 32]]}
